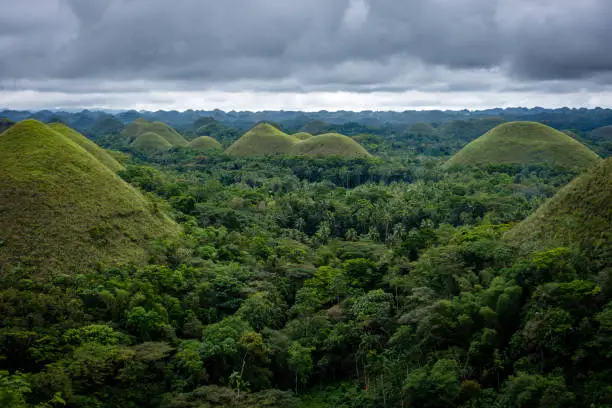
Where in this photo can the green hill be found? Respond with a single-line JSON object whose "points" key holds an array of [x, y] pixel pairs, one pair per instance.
{"points": [[150, 142], [88, 145], [330, 144], [525, 143], [263, 139], [140, 126], [205, 143], [63, 210], [579, 215], [302, 135]]}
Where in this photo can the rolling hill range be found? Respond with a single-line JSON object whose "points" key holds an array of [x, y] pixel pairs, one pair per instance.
{"points": [[95, 150], [150, 142], [140, 126], [205, 143], [579, 215], [330, 144], [263, 139], [61, 209], [525, 143]]}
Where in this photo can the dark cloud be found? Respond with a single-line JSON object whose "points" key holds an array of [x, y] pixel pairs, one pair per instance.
{"points": [[109, 46]]}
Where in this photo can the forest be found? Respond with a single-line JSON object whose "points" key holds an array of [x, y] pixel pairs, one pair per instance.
{"points": [[304, 277]]}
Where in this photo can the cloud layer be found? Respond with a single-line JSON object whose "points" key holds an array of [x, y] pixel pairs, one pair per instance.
{"points": [[111, 51]]}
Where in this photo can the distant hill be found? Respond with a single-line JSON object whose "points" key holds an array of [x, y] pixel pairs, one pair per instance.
{"points": [[63, 210], [205, 143], [579, 215], [88, 145], [140, 126], [330, 144], [602, 138], [263, 139], [106, 125], [5, 124], [302, 135], [150, 142], [526, 143], [421, 128]]}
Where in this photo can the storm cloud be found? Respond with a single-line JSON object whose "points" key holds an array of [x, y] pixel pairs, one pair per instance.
{"points": [[125, 48]]}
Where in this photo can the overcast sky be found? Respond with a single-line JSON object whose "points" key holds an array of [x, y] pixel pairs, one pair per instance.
{"points": [[305, 54]]}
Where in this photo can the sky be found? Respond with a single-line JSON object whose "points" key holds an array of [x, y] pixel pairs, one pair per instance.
{"points": [[304, 54]]}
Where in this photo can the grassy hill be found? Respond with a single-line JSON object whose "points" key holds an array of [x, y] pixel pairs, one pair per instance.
{"points": [[330, 144], [88, 145], [140, 126], [579, 215], [263, 139], [150, 142], [205, 143], [526, 143], [302, 135], [63, 210]]}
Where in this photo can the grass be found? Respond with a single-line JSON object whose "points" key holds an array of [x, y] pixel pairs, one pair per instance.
{"points": [[302, 135], [150, 142], [140, 126], [264, 139], [95, 150], [205, 143], [62, 210], [330, 144], [579, 215], [526, 143]]}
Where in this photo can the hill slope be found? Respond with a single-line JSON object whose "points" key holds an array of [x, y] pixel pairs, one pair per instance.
{"points": [[526, 143], [63, 210], [95, 150], [302, 135], [150, 142], [140, 126], [330, 144], [205, 143], [580, 215], [263, 139]]}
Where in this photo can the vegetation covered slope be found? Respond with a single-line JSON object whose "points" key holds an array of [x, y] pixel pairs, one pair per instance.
{"points": [[140, 126], [150, 142], [63, 210], [263, 139], [205, 143], [5, 124], [421, 128], [302, 135], [88, 145], [526, 143], [330, 144], [579, 215]]}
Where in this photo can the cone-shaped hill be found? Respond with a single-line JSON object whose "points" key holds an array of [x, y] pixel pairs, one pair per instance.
{"points": [[302, 135], [150, 142], [264, 139], [526, 143], [579, 215], [95, 150], [205, 143], [140, 126], [62, 210], [330, 144]]}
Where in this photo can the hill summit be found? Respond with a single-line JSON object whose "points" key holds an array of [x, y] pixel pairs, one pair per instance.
{"points": [[140, 126], [205, 143], [330, 144], [526, 143], [579, 215], [263, 139], [61, 209]]}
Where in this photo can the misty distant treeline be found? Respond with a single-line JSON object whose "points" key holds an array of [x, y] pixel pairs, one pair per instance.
{"points": [[564, 118]]}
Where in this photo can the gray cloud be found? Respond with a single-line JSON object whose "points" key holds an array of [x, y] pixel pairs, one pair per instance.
{"points": [[139, 46]]}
